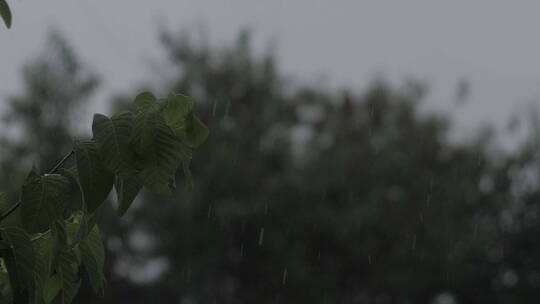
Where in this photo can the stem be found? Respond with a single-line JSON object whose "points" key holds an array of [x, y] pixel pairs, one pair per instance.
{"points": [[18, 204], [61, 162]]}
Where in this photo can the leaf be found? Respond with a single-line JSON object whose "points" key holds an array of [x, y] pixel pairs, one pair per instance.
{"points": [[21, 266], [67, 271], [161, 159], [59, 242], [51, 289], [78, 230], [43, 200], [144, 128], [196, 131], [73, 173], [113, 136], [145, 99], [93, 259], [95, 180], [5, 13], [65, 261], [42, 259], [126, 190], [19, 292], [176, 110]]}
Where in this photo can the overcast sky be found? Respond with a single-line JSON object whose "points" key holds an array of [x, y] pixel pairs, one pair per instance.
{"points": [[493, 44]]}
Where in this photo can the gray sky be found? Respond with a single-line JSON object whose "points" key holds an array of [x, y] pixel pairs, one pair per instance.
{"points": [[491, 43]]}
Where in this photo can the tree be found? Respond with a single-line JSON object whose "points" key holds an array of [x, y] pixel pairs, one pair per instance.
{"points": [[55, 234], [309, 195], [42, 121]]}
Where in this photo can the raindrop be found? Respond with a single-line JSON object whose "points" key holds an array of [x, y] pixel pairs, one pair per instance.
{"points": [[227, 108], [284, 280], [414, 242], [369, 259], [261, 237], [214, 108], [242, 250], [209, 210]]}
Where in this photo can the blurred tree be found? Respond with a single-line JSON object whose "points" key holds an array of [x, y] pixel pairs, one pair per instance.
{"points": [[38, 122], [302, 195], [310, 196]]}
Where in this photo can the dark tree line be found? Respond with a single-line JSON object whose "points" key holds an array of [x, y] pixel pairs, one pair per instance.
{"points": [[301, 194]]}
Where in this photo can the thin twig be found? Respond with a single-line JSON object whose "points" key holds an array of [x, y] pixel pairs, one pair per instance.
{"points": [[18, 204], [61, 162]]}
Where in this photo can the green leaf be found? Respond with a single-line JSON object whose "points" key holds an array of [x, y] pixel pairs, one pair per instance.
{"points": [[21, 267], [51, 289], [67, 271], [65, 261], [177, 108], [126, 190], [113, 136], [59, 242], [79, 228], [20, 294], [73, 173], [42, 259], [161, 159], [43, 200], [96, 181], [196, 131], [144, 128], [5, 13], [93, 259], [145, 99]]}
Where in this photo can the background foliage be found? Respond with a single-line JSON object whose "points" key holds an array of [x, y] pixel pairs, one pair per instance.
{"points": [[309, 195], [52, 236]]}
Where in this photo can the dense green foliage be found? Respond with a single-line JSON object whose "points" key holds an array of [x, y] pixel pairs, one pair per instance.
{"points": [[57, 235]]}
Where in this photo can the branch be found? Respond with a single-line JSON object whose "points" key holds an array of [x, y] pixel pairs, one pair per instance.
{"points": [[18, 204]]}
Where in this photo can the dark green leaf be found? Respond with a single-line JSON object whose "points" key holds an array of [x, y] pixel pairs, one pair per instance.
{"points": [[51, 289], [22, 270], [177, 108], [96, 181], [113, 136], [42, 258], [67, 271], [161, 159], [20, 294], [93, 259], [79, 228], [66, 262], [43, 200], [144, 128], [145, 99], [126, 190], [196, 131], [5, 13], [59, 242]]}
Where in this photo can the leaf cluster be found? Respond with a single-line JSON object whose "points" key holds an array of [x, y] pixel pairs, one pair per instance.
{"points": [[42, 258]]}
